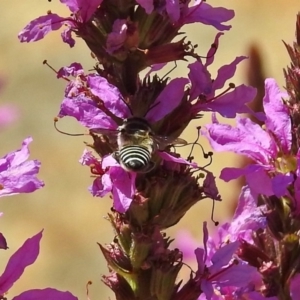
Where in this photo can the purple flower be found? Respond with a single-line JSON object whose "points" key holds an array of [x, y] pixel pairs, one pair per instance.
{"points": [[45, 294], [273, 164], [222, 269], [23, 257], [81, 13], [117, 37], [111, 178], [204, 88], [81, 104], [180, 13], [246, 219], [17, 174]]}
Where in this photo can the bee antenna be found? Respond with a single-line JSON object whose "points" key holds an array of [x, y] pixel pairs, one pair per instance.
{"points": [[212, 214], [170, 71], [66, 133]]}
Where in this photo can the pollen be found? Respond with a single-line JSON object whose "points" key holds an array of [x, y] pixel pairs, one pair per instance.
{"points": [[286, 163], [1, 186]]}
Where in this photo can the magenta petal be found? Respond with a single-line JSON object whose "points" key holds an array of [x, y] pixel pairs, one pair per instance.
{"points": [[228, 174], [45, 294], [231, 103], [117, 37], [109, 94], [238, 275], [15, 158], [200, 257], [226, 72], [260, 182], [85, 111], [101, 186], [82, 7], [247, 139], [278, 118], [66, 36], [211, 52], [280, 183], [74, 69], [205, 239], [200, 80], [173, 9], [208, 15], [168, 99], [123, 188], [17, 175], [168, 157], [210, 187], [223, 256], [23, 257], [154, 68], [41, 26], [109, 161], [207, 288]]}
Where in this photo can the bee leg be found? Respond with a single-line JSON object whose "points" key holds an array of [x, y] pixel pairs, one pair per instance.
{"points": [[149, 167], [116, 156]]}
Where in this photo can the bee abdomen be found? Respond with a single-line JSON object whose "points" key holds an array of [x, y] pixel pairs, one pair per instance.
{"points": [[135, 158]]}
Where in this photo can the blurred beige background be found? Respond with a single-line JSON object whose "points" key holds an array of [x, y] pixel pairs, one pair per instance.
{"points": [[72, 218]]}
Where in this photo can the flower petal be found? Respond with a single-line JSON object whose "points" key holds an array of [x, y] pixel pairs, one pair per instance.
{"points": [[23, 257], [278, 119], [168, 99], [45, 294], [82, 7], [38, 28], [206, 14]]}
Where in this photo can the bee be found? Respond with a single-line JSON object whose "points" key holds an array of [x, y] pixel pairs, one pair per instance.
{"points": [[136, 143]]}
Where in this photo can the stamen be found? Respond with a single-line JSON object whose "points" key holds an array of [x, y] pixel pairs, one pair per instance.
{"points": [[45, 62], [87, 288], [212, 214], [165, 76], [63, 132], [230, 86]]}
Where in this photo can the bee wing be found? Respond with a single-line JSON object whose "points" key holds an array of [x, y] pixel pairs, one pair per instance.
{"points": [[164, 141], [112, 134]]}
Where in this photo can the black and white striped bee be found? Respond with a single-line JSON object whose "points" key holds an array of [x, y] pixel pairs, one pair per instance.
{"points": [[136, 144]]}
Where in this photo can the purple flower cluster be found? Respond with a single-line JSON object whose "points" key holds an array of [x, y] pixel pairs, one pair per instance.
{"points": [[255, 255], [23, 257], [274, 167], [18, 175]]}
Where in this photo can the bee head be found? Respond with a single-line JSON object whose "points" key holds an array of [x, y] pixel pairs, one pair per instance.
{"points": [[135, 124]]}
